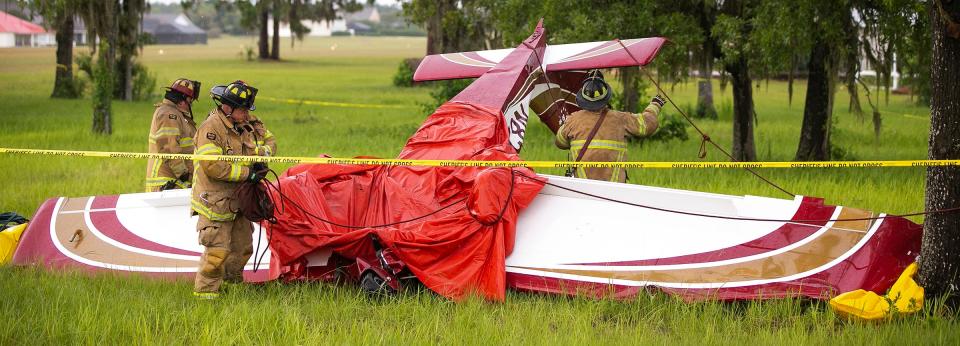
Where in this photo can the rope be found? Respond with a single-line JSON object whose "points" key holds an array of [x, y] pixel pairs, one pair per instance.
{"points": [[503, 210], [736, 218], [704, 138], [553, 97]]}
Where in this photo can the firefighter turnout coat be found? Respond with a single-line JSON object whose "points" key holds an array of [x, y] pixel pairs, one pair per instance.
{"points": [[171, 132], [215, 182], [609, 144]]}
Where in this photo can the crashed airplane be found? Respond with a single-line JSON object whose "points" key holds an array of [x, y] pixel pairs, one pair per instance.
{"points": [[474, 230]]}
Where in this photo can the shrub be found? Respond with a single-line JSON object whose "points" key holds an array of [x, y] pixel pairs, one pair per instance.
{"points": [[671, 127], [443, 91], [404, 75], [144, 82]]}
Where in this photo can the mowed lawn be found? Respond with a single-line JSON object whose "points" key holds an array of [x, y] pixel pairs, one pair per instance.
{"points": [[70, 308]]}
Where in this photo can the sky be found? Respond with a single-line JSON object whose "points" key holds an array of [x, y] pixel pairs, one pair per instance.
{"points": [[379, 2]]}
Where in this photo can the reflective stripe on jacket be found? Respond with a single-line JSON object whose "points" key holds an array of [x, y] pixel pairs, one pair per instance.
{"points": [[215, 182], [609, 144], [171, 132]]}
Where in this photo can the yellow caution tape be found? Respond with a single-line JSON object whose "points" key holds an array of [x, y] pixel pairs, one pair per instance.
{"points": [[469, 163], [333, 104]]}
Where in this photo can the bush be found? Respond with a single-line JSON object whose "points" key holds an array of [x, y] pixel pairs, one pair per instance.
{"points": [[404, 75], [84, 63], [69, 89], [443, 91], [246, 52], [144, 82], [671, 127], [704, 112]]}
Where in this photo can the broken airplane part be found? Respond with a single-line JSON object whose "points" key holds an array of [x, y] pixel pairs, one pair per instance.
{"points": [[606, 247]]}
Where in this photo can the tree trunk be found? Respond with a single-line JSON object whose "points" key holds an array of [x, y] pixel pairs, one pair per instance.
{"points": [[435, 31], [264, 43], [940, 253], [630, 97], [818, 110], [275, 46], [104, 79], [705, 107], [128, 21], [63, 84], [743, 148], [124, 72]]}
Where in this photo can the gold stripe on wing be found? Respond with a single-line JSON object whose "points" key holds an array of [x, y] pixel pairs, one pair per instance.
{"points": [[833, 243], [75, 236], [594, 53], [73, 204], [460, 58]]}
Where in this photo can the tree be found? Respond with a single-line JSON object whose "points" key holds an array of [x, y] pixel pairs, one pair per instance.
{"points": [[886, 30], [817, 32], [455, 26], [115, 23], [100, 17], [733, 30], [831, 37], [59, 15], [705, 14], [430, 14], [128, 42], [275, 45], [263, 44], [292, 12], [940, 252]]}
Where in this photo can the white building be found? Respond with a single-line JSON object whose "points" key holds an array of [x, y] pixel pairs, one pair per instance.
{"points": [[16, 32], [321, 28]]}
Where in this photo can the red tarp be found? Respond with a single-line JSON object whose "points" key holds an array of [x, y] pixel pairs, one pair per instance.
{"points": [[454, 252]]}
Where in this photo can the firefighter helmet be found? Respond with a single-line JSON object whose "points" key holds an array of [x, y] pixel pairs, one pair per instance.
{"points": [[237, 94], [594, 92], [189, 88]]}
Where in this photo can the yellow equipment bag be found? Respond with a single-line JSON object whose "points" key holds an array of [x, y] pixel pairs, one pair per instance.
{"points": [[906, 296], [9, 239]]}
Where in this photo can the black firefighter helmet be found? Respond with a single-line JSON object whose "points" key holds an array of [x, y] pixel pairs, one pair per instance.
{"points": [[237, 94], [594, 92]]}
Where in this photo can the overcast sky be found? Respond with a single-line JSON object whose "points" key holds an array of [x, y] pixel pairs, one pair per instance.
{"points": [[381, 2]]}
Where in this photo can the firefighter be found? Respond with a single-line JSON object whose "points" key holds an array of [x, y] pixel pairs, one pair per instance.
{"points": [[171, 132], [230, 129], [609, 132]]}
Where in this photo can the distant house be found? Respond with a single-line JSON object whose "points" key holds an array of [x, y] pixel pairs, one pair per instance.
{"points": [[79, 32], [351, 22], [368, 14], [173, 29], [359, 28], [16, 32], [317, 28]]}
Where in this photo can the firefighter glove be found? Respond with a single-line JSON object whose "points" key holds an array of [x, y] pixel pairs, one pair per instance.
{"points": [[170, 185], [256, 177], [658, 100], [259, 166], [258, 170]]}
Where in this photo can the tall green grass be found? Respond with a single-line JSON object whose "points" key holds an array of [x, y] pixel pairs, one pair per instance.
{"points": [[72, 308], [56, 308]]}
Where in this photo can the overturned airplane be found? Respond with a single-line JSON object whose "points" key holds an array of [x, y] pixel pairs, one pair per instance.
{"points": [[478, 230]]}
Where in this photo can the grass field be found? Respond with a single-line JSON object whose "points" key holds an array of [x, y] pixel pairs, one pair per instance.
{"points": [[69, 308]]}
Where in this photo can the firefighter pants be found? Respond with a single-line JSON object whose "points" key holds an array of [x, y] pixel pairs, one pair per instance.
{"points": [[228, 246]]}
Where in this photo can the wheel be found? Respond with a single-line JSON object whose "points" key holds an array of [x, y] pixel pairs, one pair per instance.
{"points": [[372, 283]]}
